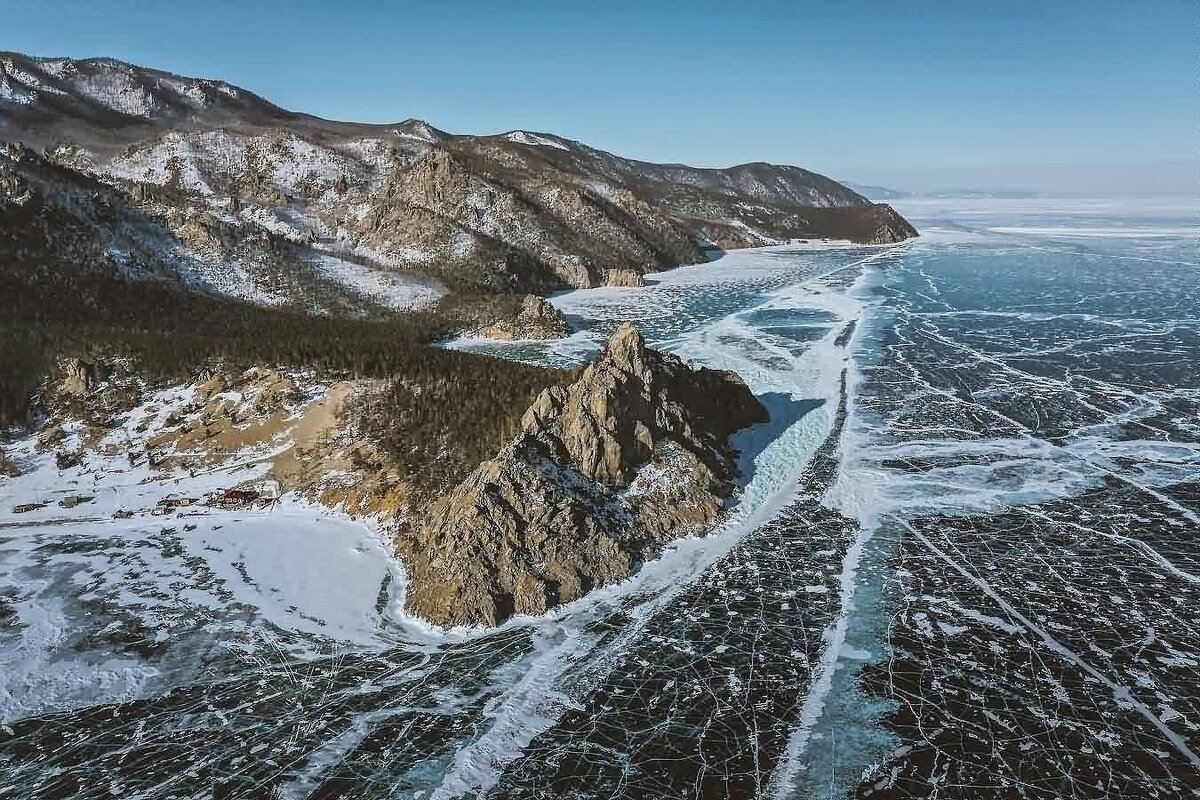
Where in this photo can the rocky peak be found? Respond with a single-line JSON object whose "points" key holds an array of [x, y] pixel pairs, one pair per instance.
{"points": [[437, 179], [603, 474], [626, 350], [420, 129], [631, 398], [13, 187], [886, 226]]}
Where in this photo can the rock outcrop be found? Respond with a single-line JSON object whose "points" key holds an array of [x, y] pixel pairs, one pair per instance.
{"points": [[623, 277], [603, 473], [536, 319], [880, 224], [79, 377]]}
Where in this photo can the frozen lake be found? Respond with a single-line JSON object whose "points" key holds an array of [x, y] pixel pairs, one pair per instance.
{"points": [[965, 556]]}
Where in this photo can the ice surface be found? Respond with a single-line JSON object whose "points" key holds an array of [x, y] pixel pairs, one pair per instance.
{"points": [[963, 557]]}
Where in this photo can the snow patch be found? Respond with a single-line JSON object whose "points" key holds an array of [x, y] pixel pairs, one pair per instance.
{"points": [[534, 139], [116, 90], [29, 80], [15, 94], [394, 290]]}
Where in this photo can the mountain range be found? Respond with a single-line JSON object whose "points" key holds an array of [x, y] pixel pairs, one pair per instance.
{"points": [[153, 175]]}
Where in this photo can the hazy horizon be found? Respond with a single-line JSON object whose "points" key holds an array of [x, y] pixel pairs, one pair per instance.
{"points": [[1167, 179]]}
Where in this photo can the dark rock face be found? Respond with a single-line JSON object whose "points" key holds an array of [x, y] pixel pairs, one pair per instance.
{"points": [[864, 224], [604, 473], [880, 224]]}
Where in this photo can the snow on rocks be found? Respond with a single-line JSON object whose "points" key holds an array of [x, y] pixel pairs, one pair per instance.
{"points": [[118, 90], [283, 161], [13, 92], [535, 140], [391, 289], [171, 158]]}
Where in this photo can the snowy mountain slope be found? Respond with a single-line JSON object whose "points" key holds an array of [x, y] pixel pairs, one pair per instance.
{"points": [[519, 211], [53, 217]]}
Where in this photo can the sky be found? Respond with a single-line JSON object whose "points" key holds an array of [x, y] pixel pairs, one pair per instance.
{"points": [[1092, 98]]}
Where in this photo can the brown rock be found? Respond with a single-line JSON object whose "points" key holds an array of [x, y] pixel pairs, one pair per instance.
{"points": [[623, 277], [79, 376], [437, 179], [536, 319], [603, 474]]}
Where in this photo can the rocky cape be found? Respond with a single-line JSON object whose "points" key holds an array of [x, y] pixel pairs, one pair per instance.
{"points": [[149, 174], [603, 474], [607, 465]]}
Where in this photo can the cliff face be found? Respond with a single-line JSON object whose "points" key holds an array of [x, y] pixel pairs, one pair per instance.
{"points": [[604, 473], [234, 195]]}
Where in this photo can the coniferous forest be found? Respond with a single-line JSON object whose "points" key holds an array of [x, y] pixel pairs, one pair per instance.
{"points": [[437, 405]]}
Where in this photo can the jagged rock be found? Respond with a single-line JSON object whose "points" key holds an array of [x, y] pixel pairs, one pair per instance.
{"points": [[438, 180], [92, 389], [623, 277], [201, 232], [79, 376], [49, 437], [603, 474], [65, 459], [270, 390], [210, 382], [536, 319]]}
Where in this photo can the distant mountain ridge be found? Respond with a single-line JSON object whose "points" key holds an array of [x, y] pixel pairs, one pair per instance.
{"points": [[222, 189], [877, 193], [880, 193]]}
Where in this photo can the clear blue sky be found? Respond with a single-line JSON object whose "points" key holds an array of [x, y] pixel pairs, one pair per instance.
{"points": [[917, 94]]}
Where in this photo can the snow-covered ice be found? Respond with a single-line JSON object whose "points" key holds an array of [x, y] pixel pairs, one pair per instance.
{"points": [[962, 555]]}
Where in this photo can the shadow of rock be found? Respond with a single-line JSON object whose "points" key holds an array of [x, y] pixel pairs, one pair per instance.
{"points": [[785, 411]]}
